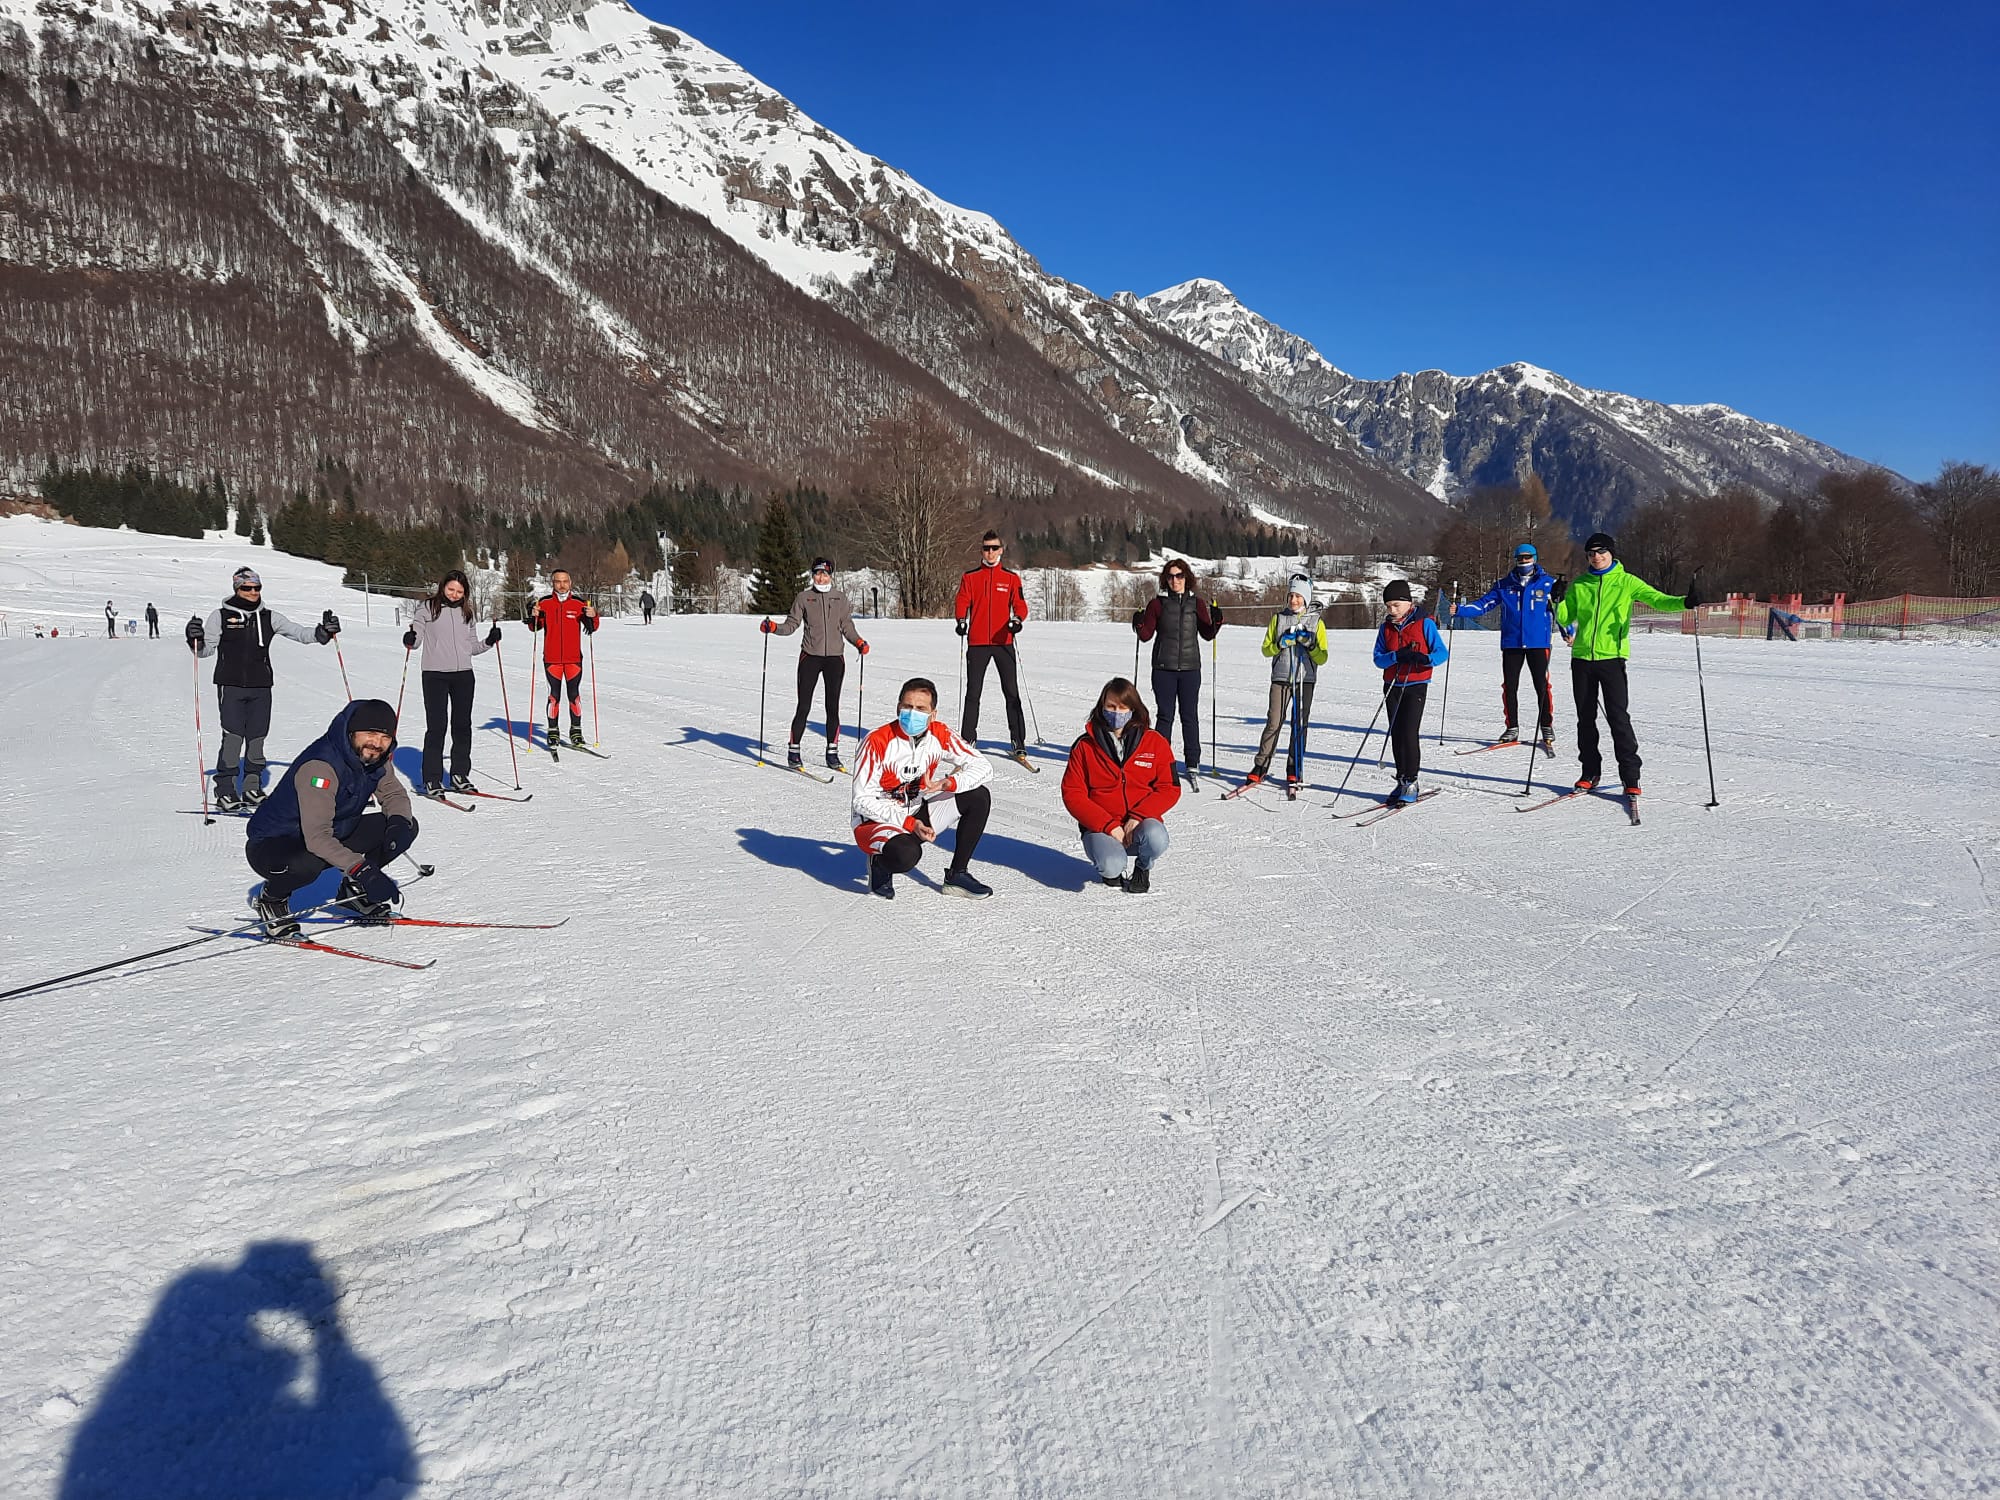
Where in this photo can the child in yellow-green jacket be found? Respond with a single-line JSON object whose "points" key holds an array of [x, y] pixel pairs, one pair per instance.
{"points": [[1595, 614], [1295, 641]]}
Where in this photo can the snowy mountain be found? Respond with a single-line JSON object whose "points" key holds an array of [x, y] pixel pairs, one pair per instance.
{"points": [[551, 251], [1597, 451]]}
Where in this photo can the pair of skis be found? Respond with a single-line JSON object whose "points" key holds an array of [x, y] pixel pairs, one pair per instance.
{"points": [[314, 945], [1631, 803]]}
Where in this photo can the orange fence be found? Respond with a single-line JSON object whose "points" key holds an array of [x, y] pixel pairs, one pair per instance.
{"points": [[1899, 617]]}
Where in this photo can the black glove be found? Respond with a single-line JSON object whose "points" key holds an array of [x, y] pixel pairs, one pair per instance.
{"points": [[374, 883], [1138, 618], [196, 636], [1690, 598], [1558, 589], [401, 833], [1410, 656], [493, 635], [964, 625], [410, 639], [328, 627], [1014, 626]]}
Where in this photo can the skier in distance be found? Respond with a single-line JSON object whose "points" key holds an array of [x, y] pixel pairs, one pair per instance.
{"points": [[564, 619]]}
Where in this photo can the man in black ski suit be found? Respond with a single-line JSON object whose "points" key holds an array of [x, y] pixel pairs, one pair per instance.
{"points": [[238, 635]]}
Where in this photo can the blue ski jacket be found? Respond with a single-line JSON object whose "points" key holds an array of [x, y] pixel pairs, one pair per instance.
{"points": [[1526, 613], [324, 812]]}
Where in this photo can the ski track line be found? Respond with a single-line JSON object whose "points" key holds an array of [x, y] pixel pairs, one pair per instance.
{"points": [[1770, 959], [971, 1233], [1603, 927], [1979, 870]]}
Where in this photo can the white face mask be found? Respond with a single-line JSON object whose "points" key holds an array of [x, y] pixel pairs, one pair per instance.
{"points": [[820, 588]]}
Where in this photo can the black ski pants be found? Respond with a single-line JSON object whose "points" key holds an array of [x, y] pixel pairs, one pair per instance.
{"points": [[900, 855], [1591, 680], [447, 701], [1537, 660], [246, 719], [811, 670], [287, 865], [1179, 692], [1406, 727], [1002, 657], [558, 676], [152, 630]]}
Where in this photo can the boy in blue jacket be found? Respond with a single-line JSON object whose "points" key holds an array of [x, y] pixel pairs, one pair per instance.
{"points": [[1527, 599], [1406, 648]]}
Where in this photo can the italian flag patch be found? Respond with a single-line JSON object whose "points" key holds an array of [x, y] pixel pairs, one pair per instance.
{"points": [[320, 783]]}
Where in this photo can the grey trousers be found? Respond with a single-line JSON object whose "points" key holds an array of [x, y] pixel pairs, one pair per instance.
{"points": [[246, 719], [1279, 713]]}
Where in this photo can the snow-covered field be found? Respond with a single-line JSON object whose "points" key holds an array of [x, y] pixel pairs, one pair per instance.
{"points": [[1471, 1154]]}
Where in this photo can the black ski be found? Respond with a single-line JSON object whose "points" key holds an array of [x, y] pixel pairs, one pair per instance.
{"points": [[1389, 809], [195, 812]]}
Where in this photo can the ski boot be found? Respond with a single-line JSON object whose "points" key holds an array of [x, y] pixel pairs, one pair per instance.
{"points": [[554, 736], [881, 882], [462, 784], [1547, 740], [1585, 784], [367, 913], [1511, 735], [226, 800], [433, 789], [275, 912], [1406, 792], [959, 882], [833, 760], [1632, 790], [793, 760], [1394, 796], [1139, 881], [253, 793], [576, 737]]}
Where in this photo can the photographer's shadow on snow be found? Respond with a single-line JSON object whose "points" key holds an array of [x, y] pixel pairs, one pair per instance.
{"points": [[843, 866], [242, 1384]]}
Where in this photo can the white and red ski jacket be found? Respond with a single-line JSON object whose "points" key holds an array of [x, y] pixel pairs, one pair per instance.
{"points": [[895, 773]]}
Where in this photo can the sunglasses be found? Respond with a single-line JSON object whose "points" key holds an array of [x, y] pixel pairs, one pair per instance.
{"points": [[1598, 552], [989, 549], [249, 588]]}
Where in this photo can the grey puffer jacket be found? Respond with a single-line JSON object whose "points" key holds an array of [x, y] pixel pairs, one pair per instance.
{"points": [[450, 641], [827, 617]]}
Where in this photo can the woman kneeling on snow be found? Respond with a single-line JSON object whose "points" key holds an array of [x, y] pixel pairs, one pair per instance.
{"points": [[1119, 784]]}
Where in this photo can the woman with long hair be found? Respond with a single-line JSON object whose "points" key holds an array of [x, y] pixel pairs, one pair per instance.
{"points": [[1177, 622], [443, 627], [1119, 785]]}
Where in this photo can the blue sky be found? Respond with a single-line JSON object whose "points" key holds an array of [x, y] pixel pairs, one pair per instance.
{"points": [[1794, 209]]}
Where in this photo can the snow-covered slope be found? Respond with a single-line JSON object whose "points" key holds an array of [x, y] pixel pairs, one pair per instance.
{"points": [[1597, 451], [1346, 1162]]}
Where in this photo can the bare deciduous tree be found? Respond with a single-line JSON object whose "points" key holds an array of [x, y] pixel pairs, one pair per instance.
{"points": [[915, 486], [1962, 509]]}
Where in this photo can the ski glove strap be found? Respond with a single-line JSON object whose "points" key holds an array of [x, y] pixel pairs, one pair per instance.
{"points": [[374, 883]]}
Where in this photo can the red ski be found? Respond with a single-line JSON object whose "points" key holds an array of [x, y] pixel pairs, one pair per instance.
{"points": [[497, 926], [309, 945]]}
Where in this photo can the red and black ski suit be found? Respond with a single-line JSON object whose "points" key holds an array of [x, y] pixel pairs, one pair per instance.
{"points": [[563, 623]]}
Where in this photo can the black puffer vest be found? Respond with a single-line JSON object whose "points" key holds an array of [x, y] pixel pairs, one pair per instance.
{"points": [[243, 651], [1177, 644]]}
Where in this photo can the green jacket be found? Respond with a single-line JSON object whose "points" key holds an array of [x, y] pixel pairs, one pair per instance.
{"points": [[1296, 664], [1596, 613]]}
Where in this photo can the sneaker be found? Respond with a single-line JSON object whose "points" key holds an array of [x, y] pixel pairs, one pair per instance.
{"points": [[228, 802], [1406, 792], [965, 883], [880, 881], [462, 784], [1139, 881], [1586, 784], [793, 760], [369, 913], [275, 912], [253, 793], [576, 736], [1511, 735], [1114, 882]]}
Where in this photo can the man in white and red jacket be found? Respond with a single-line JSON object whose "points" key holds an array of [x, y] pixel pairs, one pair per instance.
{"points": [[914, 779], [990, 608]]}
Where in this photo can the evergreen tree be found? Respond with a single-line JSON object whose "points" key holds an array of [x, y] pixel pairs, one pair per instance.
{"points": [[781, 566]]}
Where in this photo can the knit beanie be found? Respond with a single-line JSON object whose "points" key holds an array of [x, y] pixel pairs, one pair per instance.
{"points": [[1600, 539], [371, 713], [1396, 588], [1302, 585]]}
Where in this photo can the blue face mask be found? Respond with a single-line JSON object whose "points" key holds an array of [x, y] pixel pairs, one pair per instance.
{"points": [[913, 720], [1118, 718]]}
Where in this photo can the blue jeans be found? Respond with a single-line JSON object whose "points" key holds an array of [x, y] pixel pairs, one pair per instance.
{"points": [[1110, 856]]}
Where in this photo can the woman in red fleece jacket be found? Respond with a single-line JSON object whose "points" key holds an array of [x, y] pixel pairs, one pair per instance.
{"points": [[1119, 784]]}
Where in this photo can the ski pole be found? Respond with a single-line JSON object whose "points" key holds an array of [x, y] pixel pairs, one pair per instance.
{"points": [[403, 684], [1355, 759], [1706, 750], [1451, 627], [860, 698], [200, 752], [763, 683], [592, 638], [1215, 685], [1388, 729], [508, 709], [139, 958], [1033, 717], [343, 669]]}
